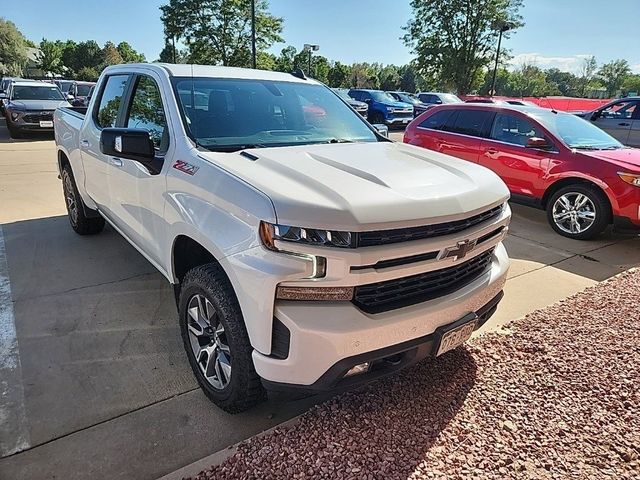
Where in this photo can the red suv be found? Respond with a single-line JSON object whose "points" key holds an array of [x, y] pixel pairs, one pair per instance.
{"points": [[584, 178]]}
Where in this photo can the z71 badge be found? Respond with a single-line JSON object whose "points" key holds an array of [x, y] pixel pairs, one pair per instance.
{"points": [[185, 167]]}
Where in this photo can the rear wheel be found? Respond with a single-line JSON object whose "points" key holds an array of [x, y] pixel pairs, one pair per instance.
{"points": [[76, 209], [13, 132], [578, 211], [216, 340]]}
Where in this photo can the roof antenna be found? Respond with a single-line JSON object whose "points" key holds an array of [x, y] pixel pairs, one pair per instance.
{"points": [[299, 73]]}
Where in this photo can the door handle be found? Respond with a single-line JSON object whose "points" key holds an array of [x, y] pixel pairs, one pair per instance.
{"points": [[84, 143], [491, 151], [115, 161], [624, 124]]}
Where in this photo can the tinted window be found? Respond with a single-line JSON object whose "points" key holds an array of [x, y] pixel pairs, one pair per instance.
{"points": [[146, 112], [471, 122], [426, 98], [437, 120], [514, 129], [619, 110], [44, 92], [109, 104]]}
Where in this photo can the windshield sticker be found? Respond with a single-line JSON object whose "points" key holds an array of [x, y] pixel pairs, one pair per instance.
{"points": [[185, 167]]}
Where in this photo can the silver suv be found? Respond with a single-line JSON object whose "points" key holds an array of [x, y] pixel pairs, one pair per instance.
{"points": [[619, 118]]}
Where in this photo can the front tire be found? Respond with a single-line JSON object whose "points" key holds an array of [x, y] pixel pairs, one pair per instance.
{"points": [[216, 340], [76, 208], [13, 132], [581, 212]]}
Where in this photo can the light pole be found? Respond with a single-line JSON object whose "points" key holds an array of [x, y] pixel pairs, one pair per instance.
{"points": [[309, 47], [502, 27], [253, 33]]}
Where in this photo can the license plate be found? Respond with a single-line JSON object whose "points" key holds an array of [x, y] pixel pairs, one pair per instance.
{"points": [[456, 337], [46, 123], [406, 120]]}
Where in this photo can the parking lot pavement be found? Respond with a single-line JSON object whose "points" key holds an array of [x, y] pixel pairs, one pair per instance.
{"points": [[104, 384]]}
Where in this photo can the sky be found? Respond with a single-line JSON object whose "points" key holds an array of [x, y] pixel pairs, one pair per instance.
{"points": [[557, 33]]}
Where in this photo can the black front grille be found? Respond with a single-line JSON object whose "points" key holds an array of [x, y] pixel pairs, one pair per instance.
{"points": [[38, 117], [402, 292], [384, 237]]}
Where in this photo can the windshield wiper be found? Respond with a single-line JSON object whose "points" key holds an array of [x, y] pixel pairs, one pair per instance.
{"points": [[231, 148], [585, 147], [338, 140]]}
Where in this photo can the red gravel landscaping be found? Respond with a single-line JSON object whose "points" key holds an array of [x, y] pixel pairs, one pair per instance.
{"points": [[557, 398]]}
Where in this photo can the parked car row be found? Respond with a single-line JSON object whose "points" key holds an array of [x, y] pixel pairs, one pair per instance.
{"points": [[583, 177], [28, 105]]}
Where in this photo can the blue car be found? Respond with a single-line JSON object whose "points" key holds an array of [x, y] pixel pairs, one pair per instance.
{"points": [[383, 108]]}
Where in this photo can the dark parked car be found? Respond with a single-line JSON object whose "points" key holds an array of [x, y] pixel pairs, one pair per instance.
{"points": [[620, 119], [29, 107], [383, 108], [80, 91], [406, 97], [360, 107], [5, 83]]}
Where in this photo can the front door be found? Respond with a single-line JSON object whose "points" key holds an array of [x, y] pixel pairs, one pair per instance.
{"points": [[137, 194], [617, 118], [505, 153]]}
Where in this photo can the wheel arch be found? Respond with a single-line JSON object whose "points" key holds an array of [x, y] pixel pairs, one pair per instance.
{"points": [[576, 180]]}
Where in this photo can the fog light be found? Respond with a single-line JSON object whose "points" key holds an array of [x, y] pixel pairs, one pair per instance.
{"points": [[358, 369], [335, 294]]}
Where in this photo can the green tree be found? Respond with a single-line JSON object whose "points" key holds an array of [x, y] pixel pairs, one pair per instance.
{"points": [[454, 40], [586, 74], [110, 55], [219, 31], [285, 61], [320, 68], [566, 82], [503, 82], [87, 74], [613, 75], [166, 54], [339, 75], [390, 78], [13, 49], [86, 54], [128, 54], [266, 61], [50, 57], [631, 84], [364, 75]]}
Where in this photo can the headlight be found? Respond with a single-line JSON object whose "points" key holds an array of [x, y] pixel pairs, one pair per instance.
{"points": [[631, 178], [308, 236], [390, 109], [15, 115]]}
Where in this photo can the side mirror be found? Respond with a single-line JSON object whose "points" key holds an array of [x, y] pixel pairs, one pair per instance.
{"points": [[382, 129], [537, 142], [596, 115], [134, 144], [70, 97], [367, 100]]}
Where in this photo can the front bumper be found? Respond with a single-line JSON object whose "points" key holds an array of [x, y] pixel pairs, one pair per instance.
{"points": [[31, 121], [384, 361], [402, 120], [325, 337]]}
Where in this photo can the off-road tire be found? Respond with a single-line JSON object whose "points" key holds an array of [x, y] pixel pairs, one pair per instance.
{"points": [[80, 222], [244, 389]]}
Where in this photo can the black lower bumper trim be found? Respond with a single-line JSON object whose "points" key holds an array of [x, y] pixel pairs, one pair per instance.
{"points": [[384, 361], [625, 225]]}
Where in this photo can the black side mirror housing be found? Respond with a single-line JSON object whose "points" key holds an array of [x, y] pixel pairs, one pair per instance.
{"points": [[595, 115], [132, 143]]}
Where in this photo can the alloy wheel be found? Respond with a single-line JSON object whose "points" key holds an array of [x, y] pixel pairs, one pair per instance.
{"points": [[574, 213], [70, 199], [209, 341]]}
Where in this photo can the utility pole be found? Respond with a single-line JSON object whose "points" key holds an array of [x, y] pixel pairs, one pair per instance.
{"points": [[504, 27], [173, 42], [310, 48], [253, 34]]}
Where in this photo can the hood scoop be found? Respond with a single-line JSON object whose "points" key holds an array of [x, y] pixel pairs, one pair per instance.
{"points": [[349, 169]]}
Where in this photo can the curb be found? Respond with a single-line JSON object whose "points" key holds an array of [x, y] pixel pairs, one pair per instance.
{"points": [[220, 456]]}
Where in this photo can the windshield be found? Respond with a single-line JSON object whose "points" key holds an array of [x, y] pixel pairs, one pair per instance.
{"points": [[44, 92], [83, 90], [449, 98], [233, 114], [576, 132], [409, 98], [382, 97], [343, 94], [64, 85]]}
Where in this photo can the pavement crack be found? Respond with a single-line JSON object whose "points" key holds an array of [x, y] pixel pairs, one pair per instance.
{"points": [[75, 289]]}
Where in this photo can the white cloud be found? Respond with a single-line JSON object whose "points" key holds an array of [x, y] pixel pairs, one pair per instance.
{"points": [[635, 68], [570, 63]]}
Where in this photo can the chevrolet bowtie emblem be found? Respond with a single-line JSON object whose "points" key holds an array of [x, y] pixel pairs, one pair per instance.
{"points": [[460, 250]]}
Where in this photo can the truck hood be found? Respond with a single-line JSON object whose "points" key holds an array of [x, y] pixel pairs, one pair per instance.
{"points": [[621, 156], [39, 104], [365, 186]]}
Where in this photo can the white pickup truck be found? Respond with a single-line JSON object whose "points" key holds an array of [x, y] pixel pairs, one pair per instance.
{"points": [[306, 250]]}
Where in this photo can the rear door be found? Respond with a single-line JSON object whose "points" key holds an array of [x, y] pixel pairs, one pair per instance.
{"points": [[505, 153], [463, 132], [107, 112], [428, 134], [617, 118]]}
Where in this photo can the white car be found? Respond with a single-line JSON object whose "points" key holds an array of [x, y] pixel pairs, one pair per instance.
{"points": [[307, 251]]}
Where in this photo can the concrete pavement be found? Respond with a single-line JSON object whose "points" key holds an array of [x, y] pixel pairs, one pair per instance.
{"points": [[107, 388]]}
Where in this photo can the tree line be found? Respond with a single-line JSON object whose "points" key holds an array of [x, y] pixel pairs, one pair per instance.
{"points": [[453, 42]]}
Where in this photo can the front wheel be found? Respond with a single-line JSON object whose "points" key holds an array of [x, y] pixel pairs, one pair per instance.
{"points": [[216, 340], [76, 209], [580, 212], [13, 132]]}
